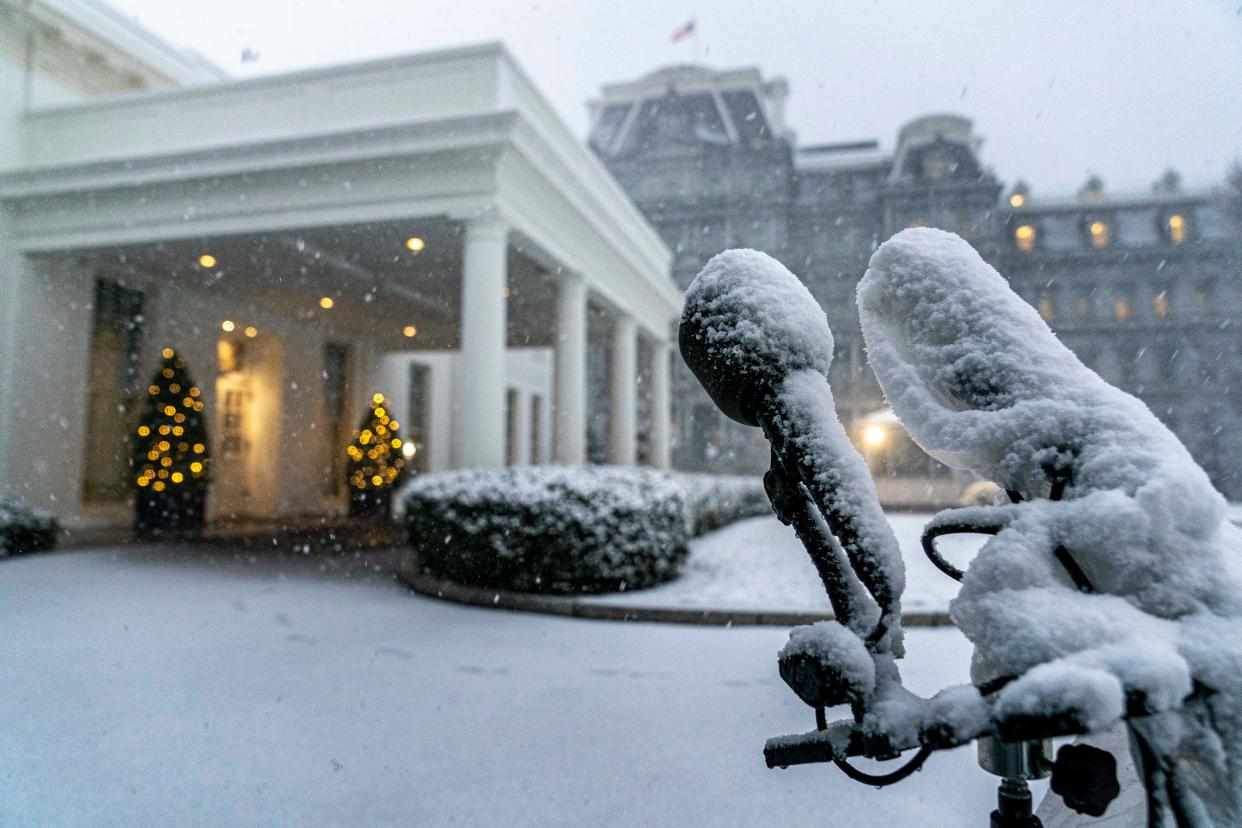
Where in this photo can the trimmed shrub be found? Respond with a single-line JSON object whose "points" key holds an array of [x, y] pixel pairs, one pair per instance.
{"points": [[565, 530], [715, 500], [24, 530], [549, 529]]}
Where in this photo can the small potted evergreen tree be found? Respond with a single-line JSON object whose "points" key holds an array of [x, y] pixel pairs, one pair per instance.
{"points": [[376, 461], [171, 459]]}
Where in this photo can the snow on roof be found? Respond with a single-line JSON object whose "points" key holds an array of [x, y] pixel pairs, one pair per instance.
{"points": [[100, 20]]}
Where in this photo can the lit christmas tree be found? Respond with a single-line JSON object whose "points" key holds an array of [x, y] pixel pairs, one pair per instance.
{"points": [[171, 460], [377, 457]]}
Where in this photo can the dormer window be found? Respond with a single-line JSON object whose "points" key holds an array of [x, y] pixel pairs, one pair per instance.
{"points": [[1019, 196], [1024, 237], [937, 165], [1175, 228], [1099, 234]]}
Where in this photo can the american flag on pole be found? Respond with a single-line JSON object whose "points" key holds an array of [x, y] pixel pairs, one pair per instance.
{"points": [[684, 32]]}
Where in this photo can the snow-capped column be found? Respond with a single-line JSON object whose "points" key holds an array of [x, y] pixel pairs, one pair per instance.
{"points": [[571, 355], [479, 421], [622, 420], [659, 403]]}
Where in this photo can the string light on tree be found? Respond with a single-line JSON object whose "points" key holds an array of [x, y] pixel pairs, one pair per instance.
{"points": [[170, 459], [377, 459]]}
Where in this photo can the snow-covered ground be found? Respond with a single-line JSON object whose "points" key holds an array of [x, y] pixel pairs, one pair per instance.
{"points": [[759, 564], [146, 686]]}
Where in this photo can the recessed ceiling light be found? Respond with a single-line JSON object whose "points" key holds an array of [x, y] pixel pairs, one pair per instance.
{"points": [[252, 331], [326, 302], [415, 244], [227, 325], [207, 260], [409, 330]]}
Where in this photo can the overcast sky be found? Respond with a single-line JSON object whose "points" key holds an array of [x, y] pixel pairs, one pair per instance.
{"points": [[1057, 89]]}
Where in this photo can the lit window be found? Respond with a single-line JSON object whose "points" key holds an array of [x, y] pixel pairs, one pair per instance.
{"points": [[1045, 309], [1100, 234], [1024, 237], [1083, 306], [1121, 309], [1017, 200], [1162, 304], [1177, 228]]}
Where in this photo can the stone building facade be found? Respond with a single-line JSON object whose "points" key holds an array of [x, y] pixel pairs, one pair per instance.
{"points": [[1144, 288]]}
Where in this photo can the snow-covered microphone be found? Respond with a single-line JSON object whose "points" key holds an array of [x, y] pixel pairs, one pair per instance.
{"points": [[760, 345], [748, 323]]}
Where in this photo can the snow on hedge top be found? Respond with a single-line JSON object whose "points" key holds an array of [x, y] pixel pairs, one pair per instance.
{"points": [[628, 489], [748, 322], [14, 513]]}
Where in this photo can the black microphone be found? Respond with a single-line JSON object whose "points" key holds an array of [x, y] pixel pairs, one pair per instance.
{"points": [[760, 345], [747, 324]]}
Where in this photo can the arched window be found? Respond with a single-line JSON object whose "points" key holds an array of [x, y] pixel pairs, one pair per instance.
{"points": [[1162, 304], [1024, 237], [1099, 233], [1175, 228]]}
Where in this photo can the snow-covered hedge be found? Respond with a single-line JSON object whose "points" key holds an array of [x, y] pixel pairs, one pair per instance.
{"points": [[714, 500], [23, 529], [566, 530]]}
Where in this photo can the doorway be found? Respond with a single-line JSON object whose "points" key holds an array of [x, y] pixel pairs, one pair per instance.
{"points": [[246, 473]]}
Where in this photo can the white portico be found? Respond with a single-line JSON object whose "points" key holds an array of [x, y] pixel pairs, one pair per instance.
{"points": [[308, 187]]}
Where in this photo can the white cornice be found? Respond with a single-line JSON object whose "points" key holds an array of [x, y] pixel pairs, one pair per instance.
{"points": [[471, 134]]}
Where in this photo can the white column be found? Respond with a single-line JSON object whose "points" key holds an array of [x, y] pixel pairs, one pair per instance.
{"points": [[660, 413], [47, 324], [521, 434], [569, 408], [479, 420], [622, 420]]}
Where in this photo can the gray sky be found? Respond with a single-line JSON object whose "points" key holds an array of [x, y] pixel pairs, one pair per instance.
{"points": [[1057, 89]]}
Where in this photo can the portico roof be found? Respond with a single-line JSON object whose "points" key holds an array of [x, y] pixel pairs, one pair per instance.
{"points": [[454, 134]]}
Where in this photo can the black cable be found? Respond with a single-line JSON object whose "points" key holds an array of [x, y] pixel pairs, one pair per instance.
{"points": [[880, 780]]}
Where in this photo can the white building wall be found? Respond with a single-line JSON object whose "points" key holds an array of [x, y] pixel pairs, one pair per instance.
{"points": [[529, 370]]}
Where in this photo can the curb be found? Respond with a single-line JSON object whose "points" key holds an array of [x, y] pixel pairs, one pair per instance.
{"points": [[432, 587]]}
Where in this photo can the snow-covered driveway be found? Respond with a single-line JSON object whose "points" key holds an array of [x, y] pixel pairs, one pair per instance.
{"points": [[146, 687]]}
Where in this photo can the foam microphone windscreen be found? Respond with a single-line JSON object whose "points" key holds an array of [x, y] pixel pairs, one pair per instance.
{"points": [[747, 324]]}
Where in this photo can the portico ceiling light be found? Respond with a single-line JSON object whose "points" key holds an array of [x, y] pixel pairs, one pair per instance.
{"points": [[252, 331], [227, 325], [207, 260], [409, 330], [414, 244], [326, 302]]}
